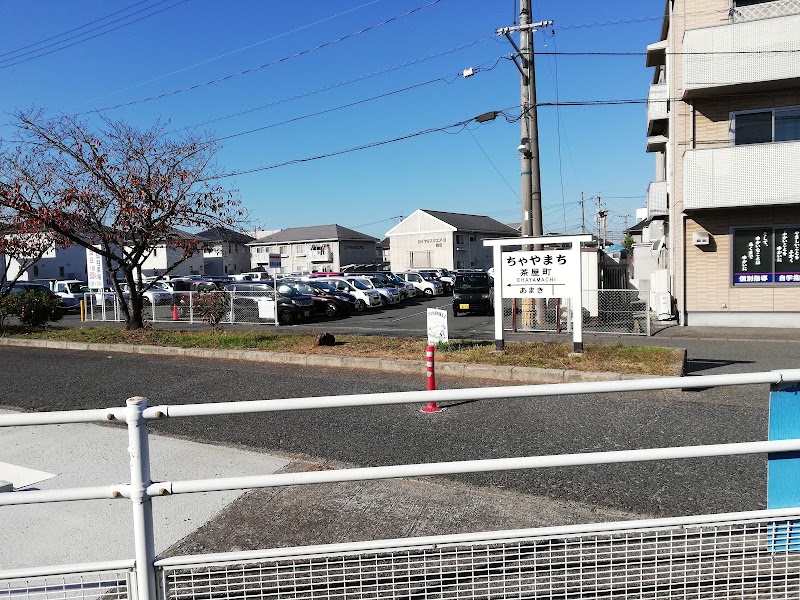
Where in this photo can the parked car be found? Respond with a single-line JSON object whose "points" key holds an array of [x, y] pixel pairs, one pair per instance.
{"points": [[389, 295], [71, 291], [387, 281], [325, 303], [366, 297], [473, 292], [292, 305], [443, 275], [424, 283], [411, 290]]}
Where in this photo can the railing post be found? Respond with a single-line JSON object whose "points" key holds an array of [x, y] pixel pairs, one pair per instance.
{"points": [[144, 542]]}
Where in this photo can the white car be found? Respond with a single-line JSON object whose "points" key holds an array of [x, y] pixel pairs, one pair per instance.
{"points": [[424, 283], [389, 295], [366, 297]]}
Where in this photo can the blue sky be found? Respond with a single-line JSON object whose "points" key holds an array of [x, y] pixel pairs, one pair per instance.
{"points": [[178, 44]]}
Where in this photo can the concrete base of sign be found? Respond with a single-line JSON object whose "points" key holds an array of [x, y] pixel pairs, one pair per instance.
{"points": [[575, 354]]}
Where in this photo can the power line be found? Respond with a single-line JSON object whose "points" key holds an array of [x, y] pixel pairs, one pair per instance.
{"points": [[74, 29], [639, 53], [513, 191], [269, 64], [333, 109], [241, 49], [346, 82], [607, 23], [11, 64], [460, 124]]}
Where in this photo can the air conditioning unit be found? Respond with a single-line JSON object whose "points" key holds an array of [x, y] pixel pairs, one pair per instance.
{"points": [[701, 238], [664, 306]]}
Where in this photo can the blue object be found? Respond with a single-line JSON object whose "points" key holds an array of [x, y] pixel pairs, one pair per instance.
{"points": [[783, 468]]}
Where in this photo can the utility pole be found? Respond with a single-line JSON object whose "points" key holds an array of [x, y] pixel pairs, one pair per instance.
{"points": [[583, 222], [529, 136]]}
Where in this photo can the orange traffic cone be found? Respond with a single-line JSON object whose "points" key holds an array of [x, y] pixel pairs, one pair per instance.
{"points": [[174, 312]]}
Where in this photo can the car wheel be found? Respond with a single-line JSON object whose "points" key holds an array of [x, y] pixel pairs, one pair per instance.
{"points": [[383, 302], [330, 310], [429, 293], [285, 317], [360, 305]]}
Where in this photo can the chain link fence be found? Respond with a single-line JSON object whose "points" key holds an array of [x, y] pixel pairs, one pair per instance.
{"points": [[604, 311], [191, 307]]}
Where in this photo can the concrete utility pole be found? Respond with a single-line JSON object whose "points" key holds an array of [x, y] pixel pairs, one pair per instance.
{"points": [[583, 221], [529, 142]]}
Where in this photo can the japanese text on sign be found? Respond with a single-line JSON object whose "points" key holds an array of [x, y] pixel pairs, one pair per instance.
{"points": [[539, 273]]}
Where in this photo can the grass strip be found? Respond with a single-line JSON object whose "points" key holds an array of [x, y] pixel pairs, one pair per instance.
{"points": [[649, 360]]}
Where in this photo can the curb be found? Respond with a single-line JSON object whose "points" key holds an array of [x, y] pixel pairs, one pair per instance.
{"points": [[526, 375]]}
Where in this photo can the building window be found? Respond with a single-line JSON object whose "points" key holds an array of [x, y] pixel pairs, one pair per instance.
{"points": [[35, 270], [772, 125], [459, 238], [284, 250], [472, 237], [766, 256], [61, 272], [300, 250]]}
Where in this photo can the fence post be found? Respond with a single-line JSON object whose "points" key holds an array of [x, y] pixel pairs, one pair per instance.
{"points": [[648, 320], [139, 451], [431, 407]]}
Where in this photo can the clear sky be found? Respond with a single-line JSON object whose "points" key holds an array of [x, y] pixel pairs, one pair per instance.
{"points": [[253, 64]]}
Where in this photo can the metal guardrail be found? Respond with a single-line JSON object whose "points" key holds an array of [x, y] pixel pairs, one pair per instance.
{"points": [[710, 556]]}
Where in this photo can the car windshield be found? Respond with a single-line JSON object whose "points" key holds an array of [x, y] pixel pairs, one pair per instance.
{"points": [[324, 286], [360, 285], [288, 291], [472, 281], [304, 288], [76, 287], [426, 277], [446, 273], [377, 282]]}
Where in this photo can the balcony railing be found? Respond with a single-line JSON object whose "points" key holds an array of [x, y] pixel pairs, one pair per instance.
{"points": [[765, 10], [751, 175], [657, 199], [657, 108], [756, 54]]}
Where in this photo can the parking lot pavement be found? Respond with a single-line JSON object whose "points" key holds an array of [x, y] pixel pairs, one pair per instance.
{"points": [[92, 455]]}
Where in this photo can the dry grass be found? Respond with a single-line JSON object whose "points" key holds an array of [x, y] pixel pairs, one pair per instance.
{"points": [[596, 357]]}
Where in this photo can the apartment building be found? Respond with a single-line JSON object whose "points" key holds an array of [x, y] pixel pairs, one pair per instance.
{"points": [[723, 122], [313, 248], [225, 251]]}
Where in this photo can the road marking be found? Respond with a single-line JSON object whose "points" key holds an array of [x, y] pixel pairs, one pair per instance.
{"points": [[419, 313]]}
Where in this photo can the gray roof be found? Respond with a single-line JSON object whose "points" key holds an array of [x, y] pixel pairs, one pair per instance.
{"points": [[315, 233], [476, 223], [222, 234]]}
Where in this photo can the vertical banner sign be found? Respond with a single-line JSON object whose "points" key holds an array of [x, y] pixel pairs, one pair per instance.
{"points": [[95, 270], [437, 326], [783, 468]]}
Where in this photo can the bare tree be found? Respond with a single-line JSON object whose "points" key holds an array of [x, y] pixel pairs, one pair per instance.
{"points": [[117, 190]]}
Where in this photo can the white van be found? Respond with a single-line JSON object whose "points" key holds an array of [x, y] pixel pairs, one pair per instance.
{"points": [[366, 297]]}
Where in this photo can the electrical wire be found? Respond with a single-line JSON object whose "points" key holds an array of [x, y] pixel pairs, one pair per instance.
{"points": [[269, 64], [63, 33], [513, 191], [11, 64], [639, 53], [346, 82], [461, 125], [333, 109], [231, 52]]}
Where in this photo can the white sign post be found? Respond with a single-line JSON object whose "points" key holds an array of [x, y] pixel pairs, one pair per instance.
{"points": [[437, 326], [552, 273]]}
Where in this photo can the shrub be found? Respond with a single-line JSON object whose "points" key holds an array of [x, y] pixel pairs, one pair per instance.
{"points": [[212, 307], [34, 308]]}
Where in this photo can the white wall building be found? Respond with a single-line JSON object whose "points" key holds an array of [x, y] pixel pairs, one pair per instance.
{"points": [[315, 248], [432, 238], [226, 251]]}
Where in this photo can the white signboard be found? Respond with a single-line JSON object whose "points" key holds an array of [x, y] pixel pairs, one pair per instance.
{"points": [[266, 308], [540, 274], [437, 326], [95, 270]]}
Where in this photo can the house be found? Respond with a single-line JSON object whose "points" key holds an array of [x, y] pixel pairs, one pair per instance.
{"points": [[164, 255], [225, 251], [314, 248], [59, 261], [432, 238], [723, 120]]}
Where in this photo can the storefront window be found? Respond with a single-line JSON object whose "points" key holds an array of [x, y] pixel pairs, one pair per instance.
{"points": [[769, 255]]}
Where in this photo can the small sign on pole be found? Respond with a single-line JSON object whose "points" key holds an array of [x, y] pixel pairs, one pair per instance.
{"points": [[437, 326]]}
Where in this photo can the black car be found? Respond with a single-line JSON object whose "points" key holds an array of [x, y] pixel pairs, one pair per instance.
{"points": [[292, 305], [326, 302], [473, 292]]}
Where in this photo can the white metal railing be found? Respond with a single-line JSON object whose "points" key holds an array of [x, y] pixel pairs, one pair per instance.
{"points": [[741, 555]]}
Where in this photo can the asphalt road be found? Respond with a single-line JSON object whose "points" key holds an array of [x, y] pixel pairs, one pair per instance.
{"points": [[58, 380]]}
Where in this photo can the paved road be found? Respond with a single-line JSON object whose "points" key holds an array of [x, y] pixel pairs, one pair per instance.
{"points": [[46, 380]]}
